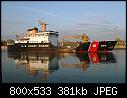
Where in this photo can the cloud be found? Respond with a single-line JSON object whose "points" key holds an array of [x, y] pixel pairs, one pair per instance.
{"points": [[94, 23], [40, 11], [94, 16], [95, 27]]}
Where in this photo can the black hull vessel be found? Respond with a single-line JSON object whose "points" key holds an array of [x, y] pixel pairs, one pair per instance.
{"points": [[96, 46], [83, 47], [47, 41], [22, 47], [34, 47]]}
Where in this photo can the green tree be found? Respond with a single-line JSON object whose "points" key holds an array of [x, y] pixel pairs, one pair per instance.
{"points": [[3, 42], [10, 41]]}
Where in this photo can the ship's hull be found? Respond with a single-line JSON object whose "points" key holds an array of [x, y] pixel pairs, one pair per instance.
{"points": [[36, 47], [31, 47], [96, 46], [48, 47]]}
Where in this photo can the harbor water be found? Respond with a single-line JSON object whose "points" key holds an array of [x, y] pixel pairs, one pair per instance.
{"points": [[39, 67]]}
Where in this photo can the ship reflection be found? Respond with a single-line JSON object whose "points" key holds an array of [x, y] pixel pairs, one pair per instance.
{"points": [[96, 58], [43, 64], [36, 63], [87, 58]]}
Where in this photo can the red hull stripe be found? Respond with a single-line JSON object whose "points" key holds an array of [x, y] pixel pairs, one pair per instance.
{"points": [[93, 46], [94, 57]]}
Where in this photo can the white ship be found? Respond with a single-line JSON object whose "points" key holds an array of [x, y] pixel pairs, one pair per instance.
{"points": [[36, 40]]}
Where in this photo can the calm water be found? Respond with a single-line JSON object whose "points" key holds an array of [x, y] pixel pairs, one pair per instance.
{"points": [[39, 67]]}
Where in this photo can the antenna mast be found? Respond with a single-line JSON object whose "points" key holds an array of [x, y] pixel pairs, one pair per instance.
{"points": [[43, 25]]}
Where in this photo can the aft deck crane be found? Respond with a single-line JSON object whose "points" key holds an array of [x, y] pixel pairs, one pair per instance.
{"points": [[83, 37]]}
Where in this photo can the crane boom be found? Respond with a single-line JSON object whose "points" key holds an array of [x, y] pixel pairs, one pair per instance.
{"points": [[83, 37]]}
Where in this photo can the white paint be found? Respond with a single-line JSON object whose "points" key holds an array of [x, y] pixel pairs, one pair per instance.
{"points": [[16, 41], [42, 37], [38, 65], [22, 41], [89, 46], [94, 45]]}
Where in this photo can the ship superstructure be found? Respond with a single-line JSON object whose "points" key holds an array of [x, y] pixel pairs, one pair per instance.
{"points": [[36, 40]]}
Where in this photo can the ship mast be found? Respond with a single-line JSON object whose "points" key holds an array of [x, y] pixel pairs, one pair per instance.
{"points": [[43, 25]]}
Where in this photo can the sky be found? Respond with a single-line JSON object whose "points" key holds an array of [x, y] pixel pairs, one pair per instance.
{"points": [[97, 19]]}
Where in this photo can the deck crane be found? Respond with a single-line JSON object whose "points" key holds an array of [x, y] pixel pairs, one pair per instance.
{"points": [[82, 37]]}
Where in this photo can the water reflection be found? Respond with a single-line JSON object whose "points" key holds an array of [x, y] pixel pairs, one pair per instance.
{"points": [[96, 58], [47, 63], [85, 59], [36, 62]]}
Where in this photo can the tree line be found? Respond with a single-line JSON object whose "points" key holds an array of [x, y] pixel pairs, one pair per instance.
{"points": [[4, 42]]}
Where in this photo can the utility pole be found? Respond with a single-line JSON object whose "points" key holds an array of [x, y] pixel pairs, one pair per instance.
{"points": [[117, 33]]}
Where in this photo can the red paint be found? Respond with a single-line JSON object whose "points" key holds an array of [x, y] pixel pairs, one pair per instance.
{"points": [[94, 57], [93, 46]]}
